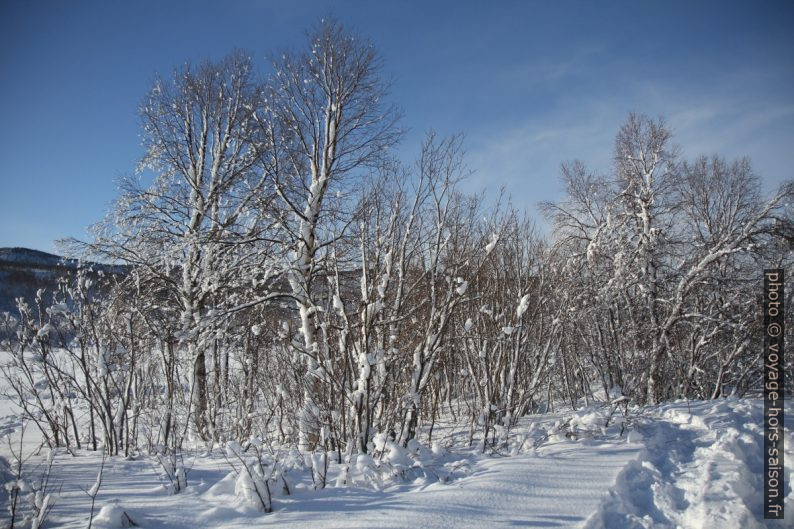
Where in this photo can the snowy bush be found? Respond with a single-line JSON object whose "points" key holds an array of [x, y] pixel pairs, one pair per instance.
{"points": [[113, 516], [252, 483], [173, 471]]}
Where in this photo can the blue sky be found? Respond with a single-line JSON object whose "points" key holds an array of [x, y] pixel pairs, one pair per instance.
{"points": [[530, 84]]}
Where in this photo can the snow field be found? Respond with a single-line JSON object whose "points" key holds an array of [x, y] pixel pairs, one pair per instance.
{"points": [[680, 465]]}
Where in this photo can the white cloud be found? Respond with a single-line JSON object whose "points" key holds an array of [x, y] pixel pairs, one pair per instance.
{"points": [[734, 121]]}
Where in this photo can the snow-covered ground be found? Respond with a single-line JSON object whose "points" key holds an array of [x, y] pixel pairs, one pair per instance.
{"points": [[558, 487], [701, 467], [687, 465]]}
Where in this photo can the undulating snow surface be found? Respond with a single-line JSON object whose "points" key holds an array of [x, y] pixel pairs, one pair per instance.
{"points": [[695, 465], [701, 467], [558, 487]]}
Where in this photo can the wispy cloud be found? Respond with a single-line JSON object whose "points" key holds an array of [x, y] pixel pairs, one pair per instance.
{"points": [[733, 122]]}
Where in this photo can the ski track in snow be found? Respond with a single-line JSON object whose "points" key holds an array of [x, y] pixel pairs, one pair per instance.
{"points": [[698, 470]]}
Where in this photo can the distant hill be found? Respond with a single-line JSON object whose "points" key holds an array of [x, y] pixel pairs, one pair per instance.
{"points": [[23, 271]]}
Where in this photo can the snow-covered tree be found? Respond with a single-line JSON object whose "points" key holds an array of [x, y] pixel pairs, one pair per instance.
{"points": [[328, 104], [195, 232], [642, 249]]}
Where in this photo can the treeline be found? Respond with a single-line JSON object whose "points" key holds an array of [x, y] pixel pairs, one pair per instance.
{"points": [[288, 278]]}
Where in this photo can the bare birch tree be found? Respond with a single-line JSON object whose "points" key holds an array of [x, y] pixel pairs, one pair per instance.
{"points": [[328, 103]]}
